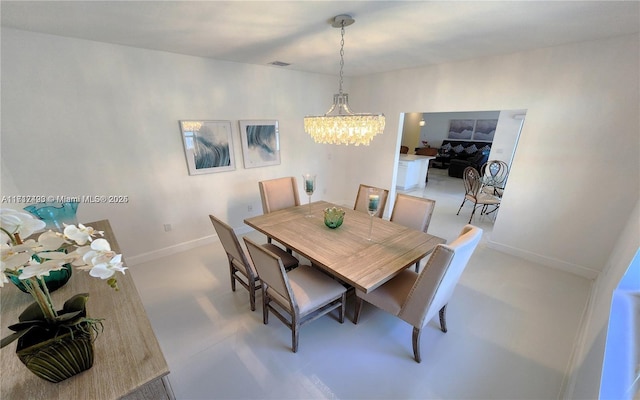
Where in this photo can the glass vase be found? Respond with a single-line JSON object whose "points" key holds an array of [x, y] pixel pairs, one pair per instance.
{"points": [[309, 188], [55, 214]]}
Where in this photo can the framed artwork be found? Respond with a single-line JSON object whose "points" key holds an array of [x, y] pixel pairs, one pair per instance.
{"points": [[485, 129], [208, 146], [260, 143], [461, 129]]}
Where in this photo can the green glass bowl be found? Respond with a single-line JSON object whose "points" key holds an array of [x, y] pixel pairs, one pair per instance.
{"points": [[333, 217]]}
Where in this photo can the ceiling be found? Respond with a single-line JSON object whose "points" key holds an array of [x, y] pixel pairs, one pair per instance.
{"points": [[387, 35]]}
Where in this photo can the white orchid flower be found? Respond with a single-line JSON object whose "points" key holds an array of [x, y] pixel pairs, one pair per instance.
{"points": [[13, 222], [80, 234], [15, 260], [3, 278], [50, 241], [14, 256], [107, 269], [99, 253], [40, 269]]}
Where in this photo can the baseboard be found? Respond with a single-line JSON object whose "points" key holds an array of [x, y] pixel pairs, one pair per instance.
{"points": [[544, 260], [179, 247]]}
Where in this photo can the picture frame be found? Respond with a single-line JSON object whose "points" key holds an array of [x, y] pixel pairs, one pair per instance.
{"points": [[260, 142], [485, 130], [208, 146], [461, 129]]}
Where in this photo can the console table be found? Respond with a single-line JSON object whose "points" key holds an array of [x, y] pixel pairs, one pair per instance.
{"points": [[128, 363]]}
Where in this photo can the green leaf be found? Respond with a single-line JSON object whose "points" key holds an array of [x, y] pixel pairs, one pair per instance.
{"points": [[25, 324], [5, 341], [76, 303], [69, 316], [32, 313]]}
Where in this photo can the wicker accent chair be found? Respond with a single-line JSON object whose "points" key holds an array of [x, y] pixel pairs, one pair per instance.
{"points": [[362, 200], [413, 212], [494, 174], [241, 268], [304, 293], [417, 298], [474, 193]]}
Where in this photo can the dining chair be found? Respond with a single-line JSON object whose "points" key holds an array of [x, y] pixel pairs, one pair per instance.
{"points": [[494, 173], [241, 267], [304, 293], [416, 298], [279, 193], [362, 200], [474, 193], [404, 150], [413, 212]]}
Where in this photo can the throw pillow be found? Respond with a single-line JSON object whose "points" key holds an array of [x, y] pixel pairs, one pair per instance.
{"points": [[471, 149], [486, 148], [446, 147], [458, 149]]}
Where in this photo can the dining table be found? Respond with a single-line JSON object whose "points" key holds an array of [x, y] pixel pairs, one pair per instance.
{"points": [[347, 253]]}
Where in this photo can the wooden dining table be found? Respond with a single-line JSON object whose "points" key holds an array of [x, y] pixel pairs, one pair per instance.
{"points": [[346, 252]]}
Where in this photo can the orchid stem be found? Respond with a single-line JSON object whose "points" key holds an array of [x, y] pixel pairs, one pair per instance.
{"points": [[33, 287]]}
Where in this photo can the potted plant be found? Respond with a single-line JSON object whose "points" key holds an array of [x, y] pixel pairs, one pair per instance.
{"points": [[55, 344]]}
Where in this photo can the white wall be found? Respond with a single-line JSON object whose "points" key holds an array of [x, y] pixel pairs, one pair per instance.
{"points": [[505, 142], [575, 176], [81, 117]]}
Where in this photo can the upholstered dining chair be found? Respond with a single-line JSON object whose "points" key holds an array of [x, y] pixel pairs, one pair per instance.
{"points": [[413, 212], [362, 199], [241, 267], [417, 298], [304, 293], [279, 193], [473, 192]]}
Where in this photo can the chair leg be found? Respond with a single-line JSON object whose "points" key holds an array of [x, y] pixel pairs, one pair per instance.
{"points": [[356, 315], [252, 294], [463, 201], [265, 305], [343, 302], [417, 266], [443, 318], [232, 274], [473, 212], [295, 327], [416, 344]]}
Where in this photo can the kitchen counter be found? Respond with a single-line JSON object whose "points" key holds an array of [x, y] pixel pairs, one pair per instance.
{"points": [[413, 171]]}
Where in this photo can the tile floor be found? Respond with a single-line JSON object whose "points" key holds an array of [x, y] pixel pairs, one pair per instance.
{"points": [[512, 325]]}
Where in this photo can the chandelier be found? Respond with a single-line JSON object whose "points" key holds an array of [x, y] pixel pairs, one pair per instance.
{"points": [[340, 125]]}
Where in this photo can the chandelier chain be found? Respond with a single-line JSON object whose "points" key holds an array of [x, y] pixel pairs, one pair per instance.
{"points": [[341, 56]]}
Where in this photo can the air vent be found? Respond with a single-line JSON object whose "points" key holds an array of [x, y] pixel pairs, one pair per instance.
{"points": [[279, 64]]}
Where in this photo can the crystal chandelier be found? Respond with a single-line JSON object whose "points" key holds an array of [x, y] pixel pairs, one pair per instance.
{"points": [[340, 125]]}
